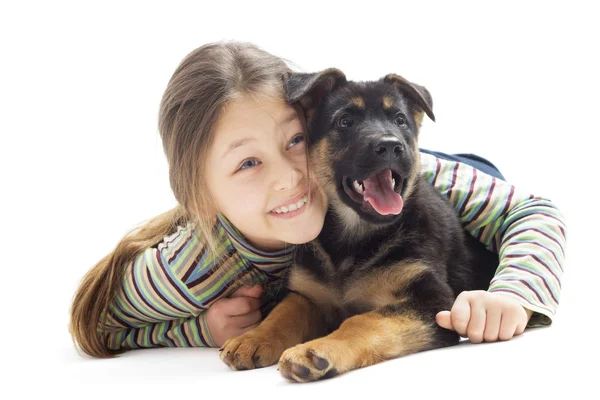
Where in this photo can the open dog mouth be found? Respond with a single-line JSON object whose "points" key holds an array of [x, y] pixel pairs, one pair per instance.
{"points": [[380, 192]]}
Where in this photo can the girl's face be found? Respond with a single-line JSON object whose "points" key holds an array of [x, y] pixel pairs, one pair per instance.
{"points": [[257, 174]]}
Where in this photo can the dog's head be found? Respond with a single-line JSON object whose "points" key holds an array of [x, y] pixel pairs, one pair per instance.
{"points": [[363, 140]]}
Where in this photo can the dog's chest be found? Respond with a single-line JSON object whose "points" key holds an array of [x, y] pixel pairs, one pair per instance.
{"points": [[340, 293]]}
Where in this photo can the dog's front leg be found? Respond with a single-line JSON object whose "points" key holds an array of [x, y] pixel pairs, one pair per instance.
{"points": [[294, 320], [365, 339]]}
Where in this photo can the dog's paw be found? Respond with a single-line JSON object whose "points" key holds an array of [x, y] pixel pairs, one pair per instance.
{"points": [[252, 349], [306, 363]]}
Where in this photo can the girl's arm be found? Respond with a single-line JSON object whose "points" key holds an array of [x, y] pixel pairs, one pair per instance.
{"points": [[528, 233], [154, 306], [180, 332], [166, 293]]}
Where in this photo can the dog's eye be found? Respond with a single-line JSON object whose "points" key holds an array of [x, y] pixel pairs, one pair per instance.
{"points": [[400, 119], [345, 121]]}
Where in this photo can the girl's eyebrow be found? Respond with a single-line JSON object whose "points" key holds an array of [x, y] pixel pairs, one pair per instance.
{"points": [[237, 143], [240, 142]]}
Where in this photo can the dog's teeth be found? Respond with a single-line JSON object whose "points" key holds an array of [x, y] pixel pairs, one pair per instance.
{"points": [[358, 187], [393, 183]]}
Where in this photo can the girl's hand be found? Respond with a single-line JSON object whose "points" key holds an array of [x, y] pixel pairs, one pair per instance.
{"points": [[480, 315], [229, 317]]}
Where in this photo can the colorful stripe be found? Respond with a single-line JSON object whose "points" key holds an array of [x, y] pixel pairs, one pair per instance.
{"points": [[528, 232]]}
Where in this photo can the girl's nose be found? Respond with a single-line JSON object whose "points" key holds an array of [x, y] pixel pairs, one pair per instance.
{"points": [[288, 177]]}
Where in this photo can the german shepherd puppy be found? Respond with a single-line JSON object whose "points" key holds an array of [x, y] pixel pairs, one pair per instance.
{"points": [[392, 252]]}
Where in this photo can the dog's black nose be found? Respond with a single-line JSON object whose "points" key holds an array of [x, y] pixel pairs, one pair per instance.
{"points": [[389, 147]]}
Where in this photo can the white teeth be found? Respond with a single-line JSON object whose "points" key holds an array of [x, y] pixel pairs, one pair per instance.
{"points": [[358, 187], [393, 183], [292, 207]]}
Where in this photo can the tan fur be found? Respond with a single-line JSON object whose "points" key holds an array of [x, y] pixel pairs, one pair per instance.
{"points": [[377, 289], [319, 155], [293, 321], [419, 118], [321, 295], [349, 222], [340, 153], [362, 340], [387, 102], [416, 172], [358, 102]]}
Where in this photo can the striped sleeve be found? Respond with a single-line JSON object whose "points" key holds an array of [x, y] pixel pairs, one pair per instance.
{"points": [[154, 306], [527, 232], [180, 332]]}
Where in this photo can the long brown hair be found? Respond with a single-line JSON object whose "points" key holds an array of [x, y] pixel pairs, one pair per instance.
{"points": [[203, 83]]}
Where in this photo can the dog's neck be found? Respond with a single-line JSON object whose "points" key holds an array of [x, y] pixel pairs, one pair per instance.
{"points": [[349, 227], [343, 225]]}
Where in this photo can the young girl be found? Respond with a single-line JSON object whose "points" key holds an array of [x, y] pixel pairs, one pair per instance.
{"points": [[211, 268]]}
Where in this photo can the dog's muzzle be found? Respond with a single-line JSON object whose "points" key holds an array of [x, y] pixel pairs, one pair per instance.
{"points": [[380, 192]]}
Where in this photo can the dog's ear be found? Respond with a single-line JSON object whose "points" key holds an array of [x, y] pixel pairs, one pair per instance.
{"points": [[416, 92], [308, 89]]}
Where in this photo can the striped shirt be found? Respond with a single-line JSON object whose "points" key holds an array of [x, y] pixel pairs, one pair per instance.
{"points": [[168, 287]]}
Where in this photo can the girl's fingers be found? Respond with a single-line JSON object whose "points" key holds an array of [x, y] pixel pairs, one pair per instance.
{"points": [[248, 291], [521, 327], [240, 305], [443, 319], [522, 324], [511, 324], [242, 330], [493, 320], [477, 322], [460, 314], [243, 321]]}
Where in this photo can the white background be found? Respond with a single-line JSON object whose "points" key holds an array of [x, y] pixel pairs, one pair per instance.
{"points": [[82, 163]]}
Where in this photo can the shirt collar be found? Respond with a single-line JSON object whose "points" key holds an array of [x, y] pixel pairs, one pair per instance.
{"points": [[253, 254]]}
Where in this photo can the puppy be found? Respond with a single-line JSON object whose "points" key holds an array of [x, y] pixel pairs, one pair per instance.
{"points": [[392, 252]]}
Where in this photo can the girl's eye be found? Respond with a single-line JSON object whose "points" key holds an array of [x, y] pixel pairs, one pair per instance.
{"points": [[400, 119], [249, 164], [296, 140], [345, 121]]}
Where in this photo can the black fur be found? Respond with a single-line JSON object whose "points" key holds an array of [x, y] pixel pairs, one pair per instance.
{"points": [[427, 230]]}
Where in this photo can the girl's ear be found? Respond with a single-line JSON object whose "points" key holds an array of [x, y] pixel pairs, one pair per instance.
{"points": [[309, 89]]}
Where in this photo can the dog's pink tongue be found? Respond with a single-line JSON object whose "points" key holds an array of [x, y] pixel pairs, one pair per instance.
{"points": [[379, 193]]}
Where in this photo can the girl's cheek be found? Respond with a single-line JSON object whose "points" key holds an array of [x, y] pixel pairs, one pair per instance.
{"points": [[248, 196]]}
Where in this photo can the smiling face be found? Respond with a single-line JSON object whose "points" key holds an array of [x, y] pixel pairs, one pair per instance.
{"points": [[256, 173]]}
